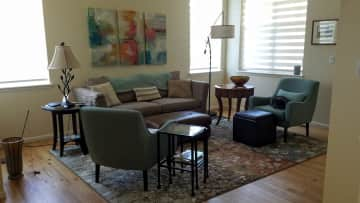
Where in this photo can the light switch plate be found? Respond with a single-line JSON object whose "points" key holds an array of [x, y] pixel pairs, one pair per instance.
{"points": [[331, 59]]}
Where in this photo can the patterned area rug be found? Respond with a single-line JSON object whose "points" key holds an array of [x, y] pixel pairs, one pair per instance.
{"points": [[231, 165]]}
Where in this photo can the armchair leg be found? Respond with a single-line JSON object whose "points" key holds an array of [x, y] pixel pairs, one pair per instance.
{"points": [[145, 179], [285, 134], [307, 129], [97, 173]]}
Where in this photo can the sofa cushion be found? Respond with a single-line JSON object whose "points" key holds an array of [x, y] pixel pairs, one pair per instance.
{"points": [[96, 81], [107, 90], [278, 113], [185, 117], [180, 88], [177, 104], [146, 108], [128, 96], [147, 93], [159, 80]]}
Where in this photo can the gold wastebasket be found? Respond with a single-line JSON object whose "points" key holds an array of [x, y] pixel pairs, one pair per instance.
{"points": [[13, 156]]}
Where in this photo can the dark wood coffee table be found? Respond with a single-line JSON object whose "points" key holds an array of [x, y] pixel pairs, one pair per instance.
{"points": [[231, 91]]}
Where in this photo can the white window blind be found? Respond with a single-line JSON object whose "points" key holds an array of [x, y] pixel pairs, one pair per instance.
{"points": [[23, 46], [203, 13], [272, 34]]}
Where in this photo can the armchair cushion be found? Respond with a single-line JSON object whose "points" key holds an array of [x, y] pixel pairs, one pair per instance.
{"points": [[278, 113], [255, 101], [292, 96]]}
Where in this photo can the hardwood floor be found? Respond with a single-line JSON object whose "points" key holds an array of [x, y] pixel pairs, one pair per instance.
{"points": [[55, 183]]}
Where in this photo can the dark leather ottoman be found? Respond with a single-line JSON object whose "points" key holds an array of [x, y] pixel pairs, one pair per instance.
{"points": [[185, 117], [254, 127]]}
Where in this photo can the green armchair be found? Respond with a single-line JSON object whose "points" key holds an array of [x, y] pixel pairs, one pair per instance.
{"points": [[119, 139], [298, 110]]}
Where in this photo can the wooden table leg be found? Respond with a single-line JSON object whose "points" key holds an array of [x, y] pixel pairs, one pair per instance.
{"points": [[247, 103], [230, 107], [55, 129], [238, 104], [61, 130], [74, 123], [220, 109]]}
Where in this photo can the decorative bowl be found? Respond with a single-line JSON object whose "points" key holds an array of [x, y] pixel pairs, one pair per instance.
{"points": [[239, 80]]}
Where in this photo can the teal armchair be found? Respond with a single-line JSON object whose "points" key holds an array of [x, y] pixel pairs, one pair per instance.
{"points": [[297, 111], [119, 139]]}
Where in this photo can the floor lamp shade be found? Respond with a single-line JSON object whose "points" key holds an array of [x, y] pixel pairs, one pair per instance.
{"points": [[63, 58], [222, 31]]}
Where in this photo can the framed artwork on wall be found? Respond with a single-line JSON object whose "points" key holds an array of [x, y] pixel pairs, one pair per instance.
{"points": [[324, 32], [126, 37], [102, 25]]}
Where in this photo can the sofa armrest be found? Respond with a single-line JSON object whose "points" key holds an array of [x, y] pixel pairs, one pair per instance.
{"points": [[258, 101], [89, 97], [200, 92]]}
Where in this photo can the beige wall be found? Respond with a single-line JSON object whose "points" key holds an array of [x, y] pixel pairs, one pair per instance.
{"points": [[343, 161], [316, 58], [316, 64], [65, 20]]}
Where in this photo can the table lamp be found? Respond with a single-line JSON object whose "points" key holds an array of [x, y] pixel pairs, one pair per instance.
{"points": [[64, 60]]}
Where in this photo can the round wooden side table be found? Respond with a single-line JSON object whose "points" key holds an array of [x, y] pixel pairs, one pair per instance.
{"points": [[231, 91], [57, 114]]}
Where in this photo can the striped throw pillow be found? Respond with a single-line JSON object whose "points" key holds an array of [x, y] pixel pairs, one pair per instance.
{"points": [[147, 93]]}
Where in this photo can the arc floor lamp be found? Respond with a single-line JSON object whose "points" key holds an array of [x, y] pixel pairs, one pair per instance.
{"points": [[222, 31]]}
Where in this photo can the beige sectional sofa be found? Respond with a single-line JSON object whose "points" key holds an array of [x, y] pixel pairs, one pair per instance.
{"points": [[148, 108]]}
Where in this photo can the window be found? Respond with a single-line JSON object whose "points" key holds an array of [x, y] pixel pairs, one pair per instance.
{"points": [[23, 46], [203, 13], [272, 34]]}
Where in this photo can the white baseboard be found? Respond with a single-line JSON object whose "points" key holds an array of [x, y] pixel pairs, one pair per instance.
{"points": [[37, 138], [319, 124]]}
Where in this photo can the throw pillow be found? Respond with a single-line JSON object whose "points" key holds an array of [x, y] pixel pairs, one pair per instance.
{"points": [[147, 93], [292, 96], [179, 88], [108, 91]]}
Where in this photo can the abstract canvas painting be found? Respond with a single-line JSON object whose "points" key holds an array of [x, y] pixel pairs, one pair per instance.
{"points": [[125, 37], [103, 36], [131, 38], [155, 38]]}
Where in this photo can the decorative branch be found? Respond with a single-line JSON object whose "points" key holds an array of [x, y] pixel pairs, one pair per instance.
{"points": [[66, 79]]}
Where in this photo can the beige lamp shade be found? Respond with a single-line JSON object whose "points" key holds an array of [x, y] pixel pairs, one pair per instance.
{"points": [[63, 58], [222, 31]]}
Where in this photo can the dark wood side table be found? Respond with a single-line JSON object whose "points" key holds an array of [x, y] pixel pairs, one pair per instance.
{"points": [[57, 114], [231, 91], [192, 158]]}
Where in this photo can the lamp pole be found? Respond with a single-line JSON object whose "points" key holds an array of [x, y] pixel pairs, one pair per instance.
{"points": [[217, 32], [208, 45]]}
